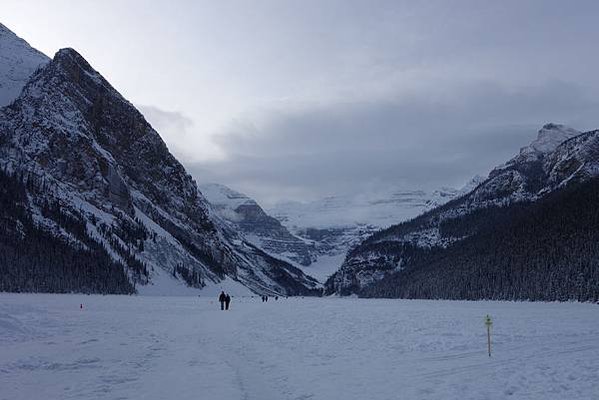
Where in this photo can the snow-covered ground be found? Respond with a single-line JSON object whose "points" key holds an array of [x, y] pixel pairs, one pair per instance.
{"points": [[163, 284], [326, 265], [185, 348]]}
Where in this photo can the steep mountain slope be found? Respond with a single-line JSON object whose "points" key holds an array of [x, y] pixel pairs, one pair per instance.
{"points": [[35, 259], [246, 216], [18, 61], [90, 152], [338, 223], [542, 250], [548, 165]]}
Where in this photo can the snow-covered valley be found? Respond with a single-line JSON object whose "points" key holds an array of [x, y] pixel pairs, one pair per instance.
{"points": [[134, 347], [336, 224], [315, 236]]}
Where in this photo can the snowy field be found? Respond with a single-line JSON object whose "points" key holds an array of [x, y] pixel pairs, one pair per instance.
{"points": [[185, 348]]}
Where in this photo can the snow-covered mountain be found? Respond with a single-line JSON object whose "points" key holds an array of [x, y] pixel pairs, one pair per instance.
{"points": [[336, 224], [560, 156], [18, 61], [378, 209], [245, 215], [316, 236], [97, 176]]}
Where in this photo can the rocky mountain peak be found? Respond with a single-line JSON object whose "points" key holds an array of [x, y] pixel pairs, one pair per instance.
{"points": [[549, 137], [71, 106], [221, 195], [70, 73], [559, 162], [74, 64], [91, 151], [245, 215]]}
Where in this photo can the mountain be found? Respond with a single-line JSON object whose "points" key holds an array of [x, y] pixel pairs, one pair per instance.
{"points": [[244, 215], [18, 61], [336, 224], [526, 232], [96, 177]]}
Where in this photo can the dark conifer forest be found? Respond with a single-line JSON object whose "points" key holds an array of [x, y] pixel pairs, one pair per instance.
{"points": [[547, 250], [32, 259]]}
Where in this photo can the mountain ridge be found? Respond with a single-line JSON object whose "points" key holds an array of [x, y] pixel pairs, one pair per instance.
{"points": [[97, 156], [18, 61], [526, 178], [336, 224], [257, 226]]}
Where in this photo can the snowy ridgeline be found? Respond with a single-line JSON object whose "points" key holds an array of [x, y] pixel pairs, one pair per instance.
{"points": [[93, 185], [515, 235], [18, 61], [185, 348]]}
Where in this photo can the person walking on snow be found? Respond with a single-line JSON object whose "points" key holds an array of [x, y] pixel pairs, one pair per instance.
{"points": [[227, 301], [222, 299]]}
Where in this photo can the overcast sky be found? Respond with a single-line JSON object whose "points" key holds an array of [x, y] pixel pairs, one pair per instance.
{"points": [[301, 99]]}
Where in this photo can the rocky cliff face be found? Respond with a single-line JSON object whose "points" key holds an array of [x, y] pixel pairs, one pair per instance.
{"points": [[316, 236], [95, 154], [246, 216], [559, 156]]}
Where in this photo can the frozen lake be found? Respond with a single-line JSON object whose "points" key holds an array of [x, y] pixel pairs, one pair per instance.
{"points": [[120, 347]]}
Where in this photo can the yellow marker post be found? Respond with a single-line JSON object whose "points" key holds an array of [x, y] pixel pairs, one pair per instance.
{"points": [[488, 323]]}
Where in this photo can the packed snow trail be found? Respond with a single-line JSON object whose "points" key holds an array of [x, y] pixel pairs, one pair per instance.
{"points": [[120, 347]]}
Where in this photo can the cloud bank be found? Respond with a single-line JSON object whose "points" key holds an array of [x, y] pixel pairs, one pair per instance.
{"points": [[420, 141]]}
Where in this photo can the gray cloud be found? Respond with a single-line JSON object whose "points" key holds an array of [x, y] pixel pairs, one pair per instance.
{"points": [[174, 126], [422, 141], [180, 133]]}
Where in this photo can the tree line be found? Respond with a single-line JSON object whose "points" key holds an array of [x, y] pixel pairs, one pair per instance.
{"points": [[544, 250], [34, 258]]}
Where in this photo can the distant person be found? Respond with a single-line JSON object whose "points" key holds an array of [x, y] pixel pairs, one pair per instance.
{"points": [[222, 298], [276, 297], [227, 301]]}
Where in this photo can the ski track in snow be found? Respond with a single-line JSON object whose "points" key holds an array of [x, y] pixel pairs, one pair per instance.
{"points": [[133, 347]]}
